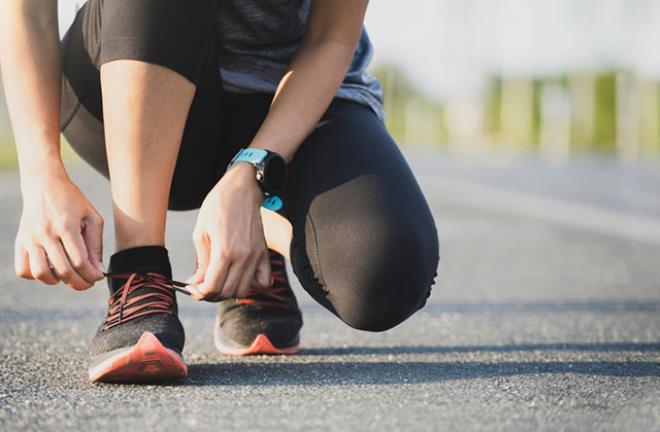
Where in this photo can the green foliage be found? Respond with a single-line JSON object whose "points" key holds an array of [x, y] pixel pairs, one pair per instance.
{"points": [[412, 117], [7, 152], [604, 137]]}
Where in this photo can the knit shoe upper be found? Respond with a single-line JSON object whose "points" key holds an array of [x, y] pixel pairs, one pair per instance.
{"points": [[271, 311], [145, 302]]}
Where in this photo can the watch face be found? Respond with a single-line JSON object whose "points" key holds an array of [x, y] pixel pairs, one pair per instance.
{"points": [[274, 173]]}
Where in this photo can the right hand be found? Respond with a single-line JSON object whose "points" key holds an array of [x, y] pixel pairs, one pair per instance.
{"points": [[60, 235]]}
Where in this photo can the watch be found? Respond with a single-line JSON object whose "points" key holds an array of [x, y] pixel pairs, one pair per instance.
{"points": [[271, 172]]}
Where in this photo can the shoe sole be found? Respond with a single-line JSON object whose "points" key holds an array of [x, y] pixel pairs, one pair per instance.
{"points": [[146, 361], [260, 346]]}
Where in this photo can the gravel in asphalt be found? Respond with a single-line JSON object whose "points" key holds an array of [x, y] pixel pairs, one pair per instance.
{"points": [[531, 326]]}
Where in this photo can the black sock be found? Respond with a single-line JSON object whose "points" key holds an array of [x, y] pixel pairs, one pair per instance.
{"points": [[152, 258]]}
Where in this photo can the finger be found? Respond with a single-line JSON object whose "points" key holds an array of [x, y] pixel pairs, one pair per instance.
{"points": [[57, 257], [92, 234], [245, 282], [262, 274], [193, 283], [40, 267], [79, 259], [216, 274], [201, 263], [202, 256], [233, 278], [22, 262]]}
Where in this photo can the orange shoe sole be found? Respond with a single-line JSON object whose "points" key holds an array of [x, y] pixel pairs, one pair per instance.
{"points": [[146, 361], [260, 346]]}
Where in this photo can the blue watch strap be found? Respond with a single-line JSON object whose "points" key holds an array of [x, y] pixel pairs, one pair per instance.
{"points": [[251, 155], [272, 202], [255, 156]]}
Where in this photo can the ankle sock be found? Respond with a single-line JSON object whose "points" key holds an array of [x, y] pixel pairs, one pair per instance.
{"points": [[154, 258]]}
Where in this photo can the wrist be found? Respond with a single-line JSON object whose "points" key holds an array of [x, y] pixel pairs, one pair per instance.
{"points": [[42, 169], [242, 176]]}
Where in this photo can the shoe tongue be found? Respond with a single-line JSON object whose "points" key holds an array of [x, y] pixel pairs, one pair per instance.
{"points": [[140, 259], [115, 283]]}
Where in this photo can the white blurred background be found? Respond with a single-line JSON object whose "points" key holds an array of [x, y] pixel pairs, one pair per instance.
{"points": [[556, 78]]}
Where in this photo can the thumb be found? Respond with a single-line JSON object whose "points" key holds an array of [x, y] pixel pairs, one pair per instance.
{"points": [[92, 232], [196, 278], [202, 252]]}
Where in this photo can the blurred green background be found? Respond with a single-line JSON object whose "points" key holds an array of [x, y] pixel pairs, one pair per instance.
{"points": [[554, 78]]}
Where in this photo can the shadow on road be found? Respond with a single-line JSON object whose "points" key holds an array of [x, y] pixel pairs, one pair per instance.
{"points": [[420, 349], [414, 372], [464, 308]]}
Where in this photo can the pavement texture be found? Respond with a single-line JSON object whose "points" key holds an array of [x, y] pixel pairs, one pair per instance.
{"points": [[545, 316]]}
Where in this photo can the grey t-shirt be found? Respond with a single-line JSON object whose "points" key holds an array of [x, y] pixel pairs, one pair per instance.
{"points": [[259, 39]]}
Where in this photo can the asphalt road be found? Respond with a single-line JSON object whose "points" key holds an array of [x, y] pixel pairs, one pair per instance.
{"points": [[546, 316]]}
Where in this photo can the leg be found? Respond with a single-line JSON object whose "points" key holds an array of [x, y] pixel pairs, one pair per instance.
{"points": [[364, 241], [145, 107], [176, 35], [154, 57]]}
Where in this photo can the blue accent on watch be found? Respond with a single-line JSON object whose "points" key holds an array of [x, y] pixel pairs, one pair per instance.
{"points": [[251, 155], [272, 202], [256, 157]]}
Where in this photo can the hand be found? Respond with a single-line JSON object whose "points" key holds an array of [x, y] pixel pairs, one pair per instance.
{"points": [[229, 239], [60, 234]]}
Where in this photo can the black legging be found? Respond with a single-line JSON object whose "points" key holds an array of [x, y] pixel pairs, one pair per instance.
{"points": [[364, 245]]}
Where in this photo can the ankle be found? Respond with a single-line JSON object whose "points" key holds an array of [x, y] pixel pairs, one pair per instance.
{"points": [[154, 258], [130, 242]]}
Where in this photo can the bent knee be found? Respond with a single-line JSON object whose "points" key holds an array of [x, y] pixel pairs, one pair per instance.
{"points": [[387, 289], [374, 317]]}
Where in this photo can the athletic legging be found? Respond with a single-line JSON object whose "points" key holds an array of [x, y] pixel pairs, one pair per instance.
{"points": [[364, 244]]}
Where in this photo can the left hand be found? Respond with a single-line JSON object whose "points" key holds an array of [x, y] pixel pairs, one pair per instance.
{"points": [[231, 251]]}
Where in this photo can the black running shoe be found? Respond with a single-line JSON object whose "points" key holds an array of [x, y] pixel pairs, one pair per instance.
{"points": [[141, 338], [267, 321]]}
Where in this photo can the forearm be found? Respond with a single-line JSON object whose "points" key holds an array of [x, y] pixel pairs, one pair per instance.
{"points": [[30, 64], [303, 95]]}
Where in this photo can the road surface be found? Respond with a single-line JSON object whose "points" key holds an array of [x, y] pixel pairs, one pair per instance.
{"points": [[546, 316]]}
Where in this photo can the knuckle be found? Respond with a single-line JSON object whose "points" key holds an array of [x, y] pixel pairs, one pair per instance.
{"points": [[60, 224], [77, 262], [40, 232], [66, 273], [242, 253], [226, 254]]}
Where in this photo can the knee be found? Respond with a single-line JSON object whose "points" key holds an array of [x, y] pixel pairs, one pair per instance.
{"points": [[387, 287]]}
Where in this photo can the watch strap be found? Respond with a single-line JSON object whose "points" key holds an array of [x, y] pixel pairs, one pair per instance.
{"points": [[251, 155], [272, 202], [255, 156]]}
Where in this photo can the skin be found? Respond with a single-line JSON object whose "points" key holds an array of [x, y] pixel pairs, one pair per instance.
{"points": [[60, 228]]}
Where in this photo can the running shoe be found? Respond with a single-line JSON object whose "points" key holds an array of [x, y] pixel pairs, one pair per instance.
{"points": [[266, 321], [141, 338]]}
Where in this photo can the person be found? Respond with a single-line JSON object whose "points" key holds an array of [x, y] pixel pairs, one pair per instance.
{"points": [[258, 112]]}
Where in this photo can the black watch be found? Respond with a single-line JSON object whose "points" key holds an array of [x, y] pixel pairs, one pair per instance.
{"points": [[271, 168]]}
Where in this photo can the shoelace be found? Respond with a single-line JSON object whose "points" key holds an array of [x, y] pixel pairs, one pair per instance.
{"points": [[122, 309], [274, 295]]}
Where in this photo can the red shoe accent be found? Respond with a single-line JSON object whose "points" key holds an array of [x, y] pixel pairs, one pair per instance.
{"points": [[146, 361], [261, 346]]}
